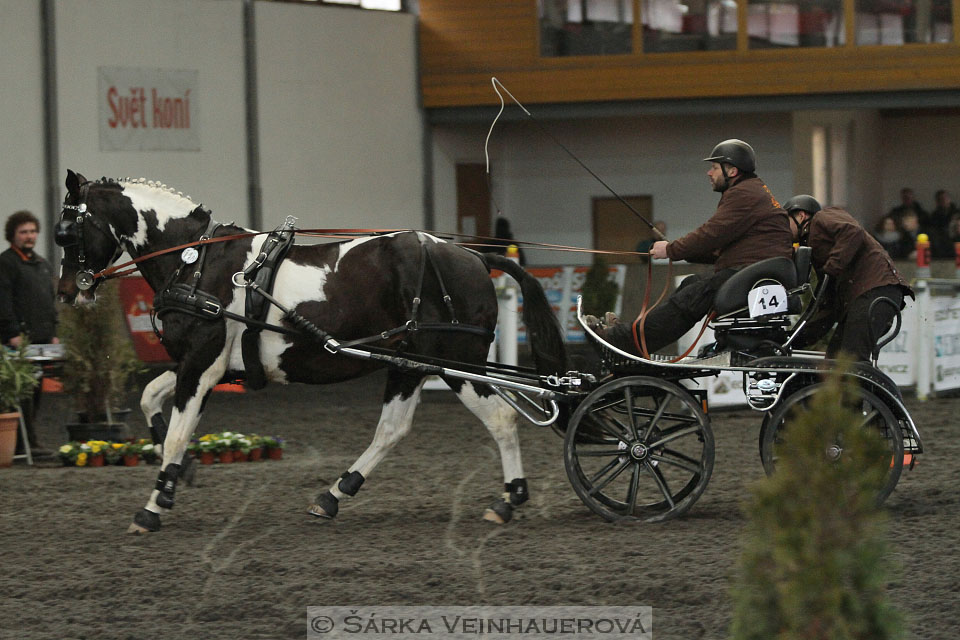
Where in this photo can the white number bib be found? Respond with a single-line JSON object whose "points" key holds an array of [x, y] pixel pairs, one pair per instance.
{"points": [[767, 299]]}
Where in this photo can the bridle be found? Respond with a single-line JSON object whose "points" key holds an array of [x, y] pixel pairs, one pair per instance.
{"points": [[71, 232]]}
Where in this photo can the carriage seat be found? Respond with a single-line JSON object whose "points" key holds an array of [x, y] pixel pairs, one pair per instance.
{"points": [[732, 296]]}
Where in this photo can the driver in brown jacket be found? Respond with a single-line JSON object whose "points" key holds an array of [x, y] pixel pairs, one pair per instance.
{"points": [[748, 226], [860, 271]]}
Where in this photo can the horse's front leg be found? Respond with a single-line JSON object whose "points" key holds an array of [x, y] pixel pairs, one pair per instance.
{"points": [[151, 403], [192, 389], [158, 391]]}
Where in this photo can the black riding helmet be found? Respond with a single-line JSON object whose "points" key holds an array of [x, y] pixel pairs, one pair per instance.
{"points": [[805, 203], [735, 152]]}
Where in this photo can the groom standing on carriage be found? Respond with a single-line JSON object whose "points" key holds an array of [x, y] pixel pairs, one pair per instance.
{"points": [[748, 226]]}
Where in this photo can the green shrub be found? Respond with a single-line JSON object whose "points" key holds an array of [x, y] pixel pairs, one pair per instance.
{"points": [[815, 564], [599, 292], [99, 355]]}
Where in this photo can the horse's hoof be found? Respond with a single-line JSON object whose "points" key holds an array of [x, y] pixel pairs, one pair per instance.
{"points": [[317, 510], [144, 522], [491, 516], [326, 506], [500, 512]]}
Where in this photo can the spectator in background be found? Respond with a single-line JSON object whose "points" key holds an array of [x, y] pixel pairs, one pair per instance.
{"points": [[27, 298], [907, 203], [504, 236], [941, 246], [953, 229], [909, 230], [888, 235]]}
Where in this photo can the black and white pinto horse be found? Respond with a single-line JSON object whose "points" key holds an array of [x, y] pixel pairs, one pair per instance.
{"points": [[351, 289]]}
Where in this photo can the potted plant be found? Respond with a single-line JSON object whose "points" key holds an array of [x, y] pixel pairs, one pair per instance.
{"points": [[273, 447], [18, 377], [98, 361], [130, 453], [256, 447]]}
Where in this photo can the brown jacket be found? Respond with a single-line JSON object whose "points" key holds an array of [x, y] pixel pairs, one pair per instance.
{"points": [[748, 226], [844, 250]]}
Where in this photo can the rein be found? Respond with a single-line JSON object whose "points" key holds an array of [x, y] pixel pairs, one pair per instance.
{"points": [[116, 271]]}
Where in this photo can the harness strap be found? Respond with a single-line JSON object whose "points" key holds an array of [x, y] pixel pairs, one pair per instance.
{"points": [[198, 273], [443, 289]]}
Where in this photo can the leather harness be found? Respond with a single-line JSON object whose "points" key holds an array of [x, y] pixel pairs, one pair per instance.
{"points": [[260, 276]]}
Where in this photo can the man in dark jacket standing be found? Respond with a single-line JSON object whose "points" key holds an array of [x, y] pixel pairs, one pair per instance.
{"points": [[748, 226], [26, 298], [860, 270]]}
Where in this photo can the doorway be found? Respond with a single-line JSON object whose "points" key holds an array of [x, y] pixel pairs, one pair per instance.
{"points": [[473, 200], [616, 228]]}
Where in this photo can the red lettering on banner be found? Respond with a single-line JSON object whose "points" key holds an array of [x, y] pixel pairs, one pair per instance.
{"points": [[170, 113], [131, 110], [125, 109]]}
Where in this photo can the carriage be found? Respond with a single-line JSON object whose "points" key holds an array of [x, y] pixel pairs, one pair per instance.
{"points": [[638, 444], [240, 304]]}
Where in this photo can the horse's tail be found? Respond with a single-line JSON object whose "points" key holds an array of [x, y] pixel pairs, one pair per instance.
{"points": [[543, 328]]}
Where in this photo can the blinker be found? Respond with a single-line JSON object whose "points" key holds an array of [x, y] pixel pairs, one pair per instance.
{"points": [[65, 235]]}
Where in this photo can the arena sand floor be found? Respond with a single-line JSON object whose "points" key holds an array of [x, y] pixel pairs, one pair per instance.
{"points": [[239, 557]]}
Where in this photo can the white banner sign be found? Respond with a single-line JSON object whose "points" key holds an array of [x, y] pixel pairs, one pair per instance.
{"points": [[148, 109], [946, 342]]}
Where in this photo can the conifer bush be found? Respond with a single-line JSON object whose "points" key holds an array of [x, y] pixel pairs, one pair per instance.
{"points": [[815, 564], [599, 292]]}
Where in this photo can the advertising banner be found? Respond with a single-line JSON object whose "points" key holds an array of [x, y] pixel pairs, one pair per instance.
{"points": [[946, 342], [562, 286], [136, 297], [148, 109]]}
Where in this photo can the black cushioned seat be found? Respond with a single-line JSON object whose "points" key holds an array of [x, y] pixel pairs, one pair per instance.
{"points": [[733, 293]]}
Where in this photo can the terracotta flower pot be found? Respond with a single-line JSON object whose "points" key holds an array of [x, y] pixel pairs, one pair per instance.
{"points": [[239, 456], [96, 460], [9, 423], [275, 453], [255, 454], [131, 460], [207, 457], [226, 457]]}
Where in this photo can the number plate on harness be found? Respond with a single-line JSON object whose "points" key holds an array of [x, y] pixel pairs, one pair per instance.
{"points": [[767, 299]]}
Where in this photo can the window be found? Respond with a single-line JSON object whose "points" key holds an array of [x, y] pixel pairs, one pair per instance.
{"points": [[689, 25], [795, 23], [383, 5], [585, 27], [895, 22]]}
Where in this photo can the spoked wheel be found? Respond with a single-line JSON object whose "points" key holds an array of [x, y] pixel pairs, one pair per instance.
{"points": [[873, 413], [648, 454]]}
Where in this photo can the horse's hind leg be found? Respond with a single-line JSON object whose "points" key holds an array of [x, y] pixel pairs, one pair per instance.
{"points": [[396, 417], [154, 395], [501, 421]]}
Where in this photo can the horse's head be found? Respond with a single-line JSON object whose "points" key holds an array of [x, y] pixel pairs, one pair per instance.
{"points": [[84, 231]]}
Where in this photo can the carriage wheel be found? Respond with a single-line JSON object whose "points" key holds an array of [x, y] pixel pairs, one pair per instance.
{"points": [[875, 414], [653, 458]]}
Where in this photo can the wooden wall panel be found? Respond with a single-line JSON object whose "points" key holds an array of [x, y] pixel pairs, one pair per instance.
{"points": [[457, 36], [463, 44]]}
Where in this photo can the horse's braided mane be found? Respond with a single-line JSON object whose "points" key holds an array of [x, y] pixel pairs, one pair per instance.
{"points": [[148, 183]]}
